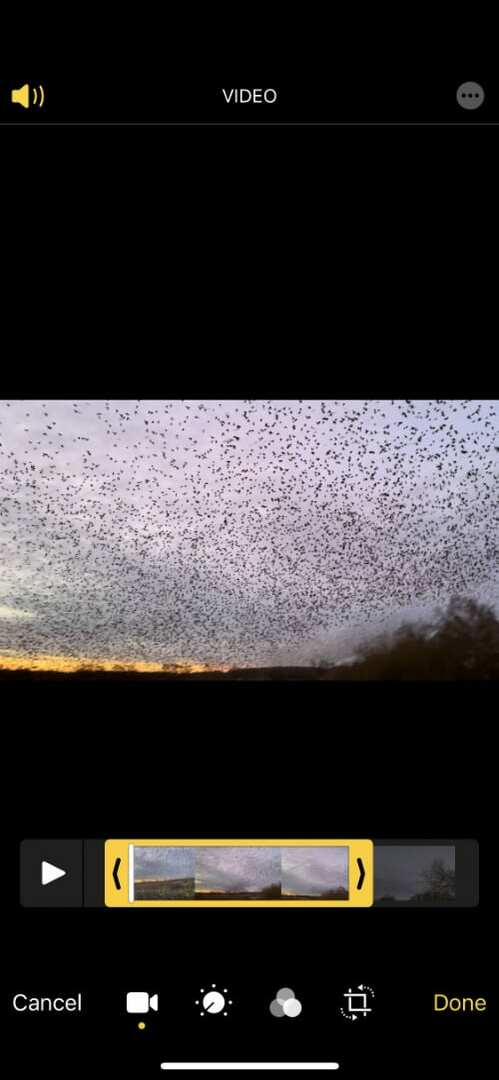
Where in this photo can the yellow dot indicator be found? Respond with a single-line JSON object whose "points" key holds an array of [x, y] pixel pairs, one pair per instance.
{"points": [[141, 1026]]}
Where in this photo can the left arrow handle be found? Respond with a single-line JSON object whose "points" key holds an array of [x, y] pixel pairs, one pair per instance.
{"points": [[116, 879]]}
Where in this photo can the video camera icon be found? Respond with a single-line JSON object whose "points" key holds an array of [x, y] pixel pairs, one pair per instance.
{"points": [[141, 1002]]}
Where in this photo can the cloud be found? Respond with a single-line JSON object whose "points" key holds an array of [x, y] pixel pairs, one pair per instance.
{"points": [[314, 870], [228, 868], [16, 613], [164, 863], [398, 870]]}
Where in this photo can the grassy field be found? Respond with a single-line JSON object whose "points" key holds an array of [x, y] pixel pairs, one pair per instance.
{"points": [[273, 892], [331, 894], [176, 889], [183, 889]]}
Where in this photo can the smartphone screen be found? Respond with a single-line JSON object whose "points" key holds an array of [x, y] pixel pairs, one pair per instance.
{"points": [[249, 600]]}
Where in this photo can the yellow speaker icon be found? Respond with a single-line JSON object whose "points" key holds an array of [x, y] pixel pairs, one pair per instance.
{"points": [[27, 96]]}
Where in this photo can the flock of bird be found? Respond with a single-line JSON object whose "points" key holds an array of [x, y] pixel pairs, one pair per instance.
{"points": [[235, 532]]}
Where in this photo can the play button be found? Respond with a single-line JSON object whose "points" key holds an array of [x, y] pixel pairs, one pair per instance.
{"points": [[51, 873]]}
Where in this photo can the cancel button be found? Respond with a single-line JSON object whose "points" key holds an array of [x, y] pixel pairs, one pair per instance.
{"points": [[24, 1003], [444, 1003]]}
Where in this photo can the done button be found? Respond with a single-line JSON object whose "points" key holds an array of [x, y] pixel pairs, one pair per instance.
{"points": [[444, 1003]]}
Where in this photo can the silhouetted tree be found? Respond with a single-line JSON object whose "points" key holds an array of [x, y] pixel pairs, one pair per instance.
{"points": [[462, 642], [273, 892], [440, 881]]}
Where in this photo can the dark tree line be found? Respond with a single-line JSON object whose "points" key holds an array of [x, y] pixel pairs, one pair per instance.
{"points": [[461, 643]]}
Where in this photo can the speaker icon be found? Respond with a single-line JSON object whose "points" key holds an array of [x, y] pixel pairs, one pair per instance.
{"points": [[28, 95]]}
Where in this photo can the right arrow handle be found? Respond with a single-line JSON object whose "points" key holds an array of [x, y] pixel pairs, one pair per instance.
{"points": [[362, 873]]}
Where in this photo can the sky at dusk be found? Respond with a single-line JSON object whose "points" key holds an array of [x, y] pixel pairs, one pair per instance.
{"points": [[238, 532], [237, 869], [398, 870], [163, 863], [314, 870]]}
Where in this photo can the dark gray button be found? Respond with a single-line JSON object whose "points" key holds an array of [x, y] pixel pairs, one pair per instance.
{"points": [[470, 95], [52, 873]]}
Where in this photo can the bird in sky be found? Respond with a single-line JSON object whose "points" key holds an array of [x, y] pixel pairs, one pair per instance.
{"points": [[235, 532]]}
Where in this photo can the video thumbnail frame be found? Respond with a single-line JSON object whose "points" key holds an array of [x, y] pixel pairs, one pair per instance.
{"points": [[238, 873], [235, 873]]}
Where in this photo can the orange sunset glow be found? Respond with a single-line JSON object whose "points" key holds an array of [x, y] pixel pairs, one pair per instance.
{"points": [[70, 664]]}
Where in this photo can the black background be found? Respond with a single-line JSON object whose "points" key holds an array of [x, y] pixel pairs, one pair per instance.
{"points": [[253, 761], [249, 263], [349, 91], [341, 65]]}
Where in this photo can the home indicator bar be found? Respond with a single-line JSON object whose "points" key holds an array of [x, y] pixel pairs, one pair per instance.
{"points": [[248, 1066]]}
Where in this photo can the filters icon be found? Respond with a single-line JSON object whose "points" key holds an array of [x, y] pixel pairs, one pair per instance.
{"points": [[285, 1003]]}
